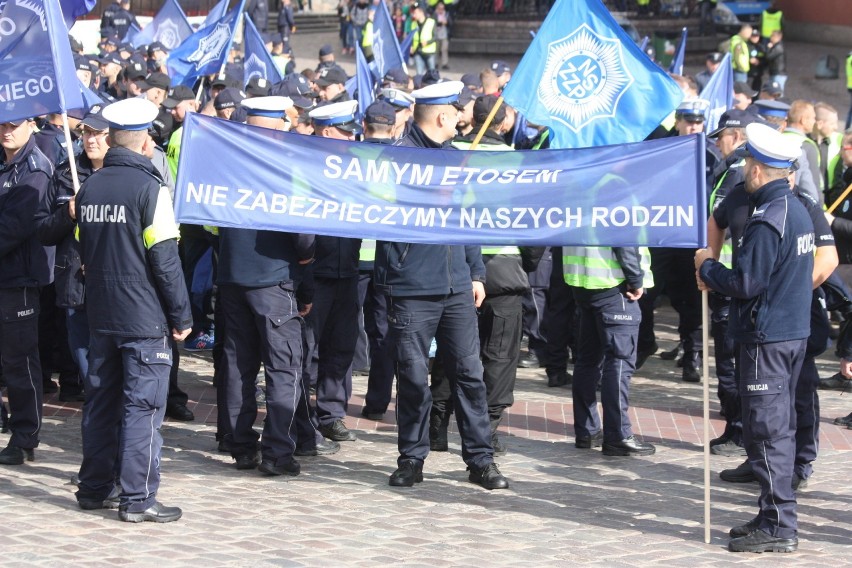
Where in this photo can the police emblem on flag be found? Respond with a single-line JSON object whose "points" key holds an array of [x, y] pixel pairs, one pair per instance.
{"points": [[379, 50], [254, 67], [584, 78], [168, 34], [211, 47]]}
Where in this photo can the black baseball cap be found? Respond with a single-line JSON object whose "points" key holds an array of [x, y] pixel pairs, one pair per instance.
{"points": [[258, 87], [177, 95], [330, 76], [228, 98], [396, 75], [157, 80], [482, 108], [297, 87], [380, 112], [735, 118], [94, 118]]}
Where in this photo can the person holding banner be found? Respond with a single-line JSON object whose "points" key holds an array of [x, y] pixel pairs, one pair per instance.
{"points": [[25, 266], [770, 287], [426, 303]]}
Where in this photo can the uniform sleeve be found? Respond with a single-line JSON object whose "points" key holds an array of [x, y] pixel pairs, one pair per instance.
{"points": [[822, 230], [53, 223], [168, 276], [305, 245], [473, 256], [755, 264], [19, 211], [159, 220], [630, 260]]}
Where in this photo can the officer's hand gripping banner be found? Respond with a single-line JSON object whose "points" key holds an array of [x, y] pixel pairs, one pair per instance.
{"points": [[648, 193]]}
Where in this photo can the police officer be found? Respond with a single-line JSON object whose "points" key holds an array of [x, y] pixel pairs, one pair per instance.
{"points": [[137, 304], [24, 267], [121, 19], [426, 303], [403, 103], [424, 46], [771, 290]]}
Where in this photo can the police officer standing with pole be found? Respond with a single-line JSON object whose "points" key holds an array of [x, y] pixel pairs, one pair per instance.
{"points": [[770, 289], [137, 304]]}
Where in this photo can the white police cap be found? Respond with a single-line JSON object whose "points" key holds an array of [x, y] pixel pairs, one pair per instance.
{"points": [[131, 114], [770, 147], [334, 114], [446, 93], [270, 107], [397, 97], [693, 108]]}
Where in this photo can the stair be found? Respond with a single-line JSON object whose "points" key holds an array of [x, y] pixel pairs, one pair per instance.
{"points": [[309, 22]]}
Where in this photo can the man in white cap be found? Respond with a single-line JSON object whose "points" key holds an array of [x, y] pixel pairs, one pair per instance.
{"points": [[770, 287], [137, 304], [268, 112], [426, 303]]}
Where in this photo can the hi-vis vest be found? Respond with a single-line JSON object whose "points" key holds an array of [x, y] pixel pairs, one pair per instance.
{"points": [[500, 250], [368, 251], [770, 23], [849, 72], [739, 55], [833, 156], [726, 255], [424, 38], [803, 140], [597, 268], [367, 37]]}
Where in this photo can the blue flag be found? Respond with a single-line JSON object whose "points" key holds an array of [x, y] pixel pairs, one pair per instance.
{"points": [[132, 30], [719, 91], [386, 51], [258, 62], [216, 12], [169, 27], [676, 66], [73, 9], [236, 175], [205, 51], [364, 82], [37, 72], [405, 48], [588, 81]]}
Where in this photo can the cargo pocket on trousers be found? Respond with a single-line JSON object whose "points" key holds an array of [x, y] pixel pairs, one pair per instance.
{"points": [[767, 400], [399, 335], [152, 384]]}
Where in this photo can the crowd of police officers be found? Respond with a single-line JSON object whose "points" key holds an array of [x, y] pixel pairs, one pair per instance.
{"points": [[104, 282]]}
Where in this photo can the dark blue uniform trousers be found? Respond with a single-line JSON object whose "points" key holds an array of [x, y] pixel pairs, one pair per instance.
{"points": [[535, 304], [451, 320], [380, 380], [768, 376], [725, 354], [261, 325], [331, 334], [19, 308], [606, 354], [126, 390], [558, 320]]}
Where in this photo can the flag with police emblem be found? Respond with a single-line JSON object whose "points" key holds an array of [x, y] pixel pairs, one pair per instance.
{"points": [[719, 92], [588, 81], [258, 62], [169, 27], [205, 51], [37, 72], [216, 13], [386, 51]]}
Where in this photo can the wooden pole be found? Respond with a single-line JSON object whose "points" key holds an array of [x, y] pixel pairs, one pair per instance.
{"points": [[705, 370], [486, 124], [69, 143], [839, 199]]}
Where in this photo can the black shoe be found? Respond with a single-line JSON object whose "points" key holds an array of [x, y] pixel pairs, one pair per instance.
{"points": [[247, 461], [324, 448], [226, 444], [13, 455], [71, 395], [760, 541], [745, 529], [488, 477], [179, 412], [338, 432], [588, 442], [643, 354], [628, 447], [157, 513], [529, 360], [558, 378], [835, 382], [291, 468], [49, 387], [740, 474], [720, 440], [729, 448], [672, 354], [844, 420], [372, 414], [109, 502], [407, 474], [799, 483], [690, 374]]}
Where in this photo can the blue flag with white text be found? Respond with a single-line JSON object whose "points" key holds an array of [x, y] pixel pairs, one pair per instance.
{"points": [[37, 72], [236, 175], [169, 27], [216, 12], [73, 9], [366, 85], [719, 92], [258, 61], [205, 51], [588, 81], [386, 51], [676, 66]]}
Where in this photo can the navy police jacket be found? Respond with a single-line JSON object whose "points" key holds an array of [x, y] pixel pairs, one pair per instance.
{"points": [[24, 181], [771, 284], [128, 243], [406, 269]]}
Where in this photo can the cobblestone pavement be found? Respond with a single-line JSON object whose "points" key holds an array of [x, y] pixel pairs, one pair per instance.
{"points": [[565, 506]]}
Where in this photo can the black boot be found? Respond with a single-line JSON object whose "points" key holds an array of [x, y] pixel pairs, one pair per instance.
{"points": [[672, 354], [439, 422], [691, 367], [496, 444]]}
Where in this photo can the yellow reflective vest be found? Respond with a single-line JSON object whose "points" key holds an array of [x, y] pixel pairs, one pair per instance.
{"points": [[739, 54], [770, 22], [424, 38]]}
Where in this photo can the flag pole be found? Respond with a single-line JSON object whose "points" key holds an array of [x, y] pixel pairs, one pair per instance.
{"points": [[839, 199], [72, 162], [487, 123], [705, 370]]}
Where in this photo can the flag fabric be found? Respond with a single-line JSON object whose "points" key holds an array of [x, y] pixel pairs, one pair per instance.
{"points": [[236, 175], [719, 92], [643, 45], [676, 66], [258, 61], [35, 80], [73, 9], [216, 12], [588, 81], [132, 30], [169, 27], [364, 81], [405, 47], [205, 51], [386, 51]]}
